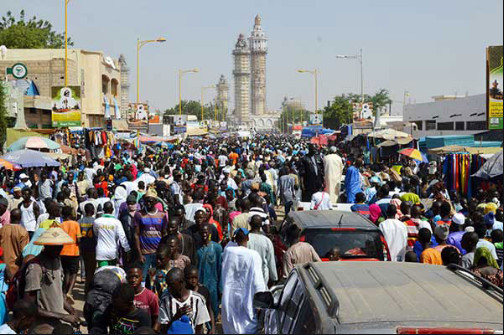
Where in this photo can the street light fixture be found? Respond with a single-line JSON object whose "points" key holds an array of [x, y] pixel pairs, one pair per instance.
{"points": [[202, 96], [140, 45], [315, 74], [66, 42], [181, 73], [360, 58]]}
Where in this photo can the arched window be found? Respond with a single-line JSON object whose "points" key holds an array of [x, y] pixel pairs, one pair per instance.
{"points": [[114, 87], [105, 84]]}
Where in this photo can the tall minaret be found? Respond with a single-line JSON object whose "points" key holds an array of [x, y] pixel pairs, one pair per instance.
{"points": [[241, 75], [223, 96], [258, 49], [125, 86]]}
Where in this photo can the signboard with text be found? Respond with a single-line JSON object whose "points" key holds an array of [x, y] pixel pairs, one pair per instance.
{"points": [[66, 106], [494, 87]]}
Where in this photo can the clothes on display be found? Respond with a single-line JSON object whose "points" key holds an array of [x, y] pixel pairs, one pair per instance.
{"points": [[458, 169]]}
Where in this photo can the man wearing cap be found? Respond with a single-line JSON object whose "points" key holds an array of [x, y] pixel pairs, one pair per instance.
{"points": [[241, 277], [44, 279], [457, 232], [150, 226], [24, 181], [15, 198]]}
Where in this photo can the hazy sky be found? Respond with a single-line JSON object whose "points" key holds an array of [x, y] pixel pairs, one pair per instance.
{"points": [[427, 47]]}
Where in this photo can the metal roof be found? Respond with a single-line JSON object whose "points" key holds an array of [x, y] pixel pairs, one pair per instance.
{"points": [[371, 292], [330, 219]]}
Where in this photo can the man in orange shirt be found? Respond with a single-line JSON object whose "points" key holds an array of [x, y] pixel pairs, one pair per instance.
{"points": [[70, 253], [234, 157]]}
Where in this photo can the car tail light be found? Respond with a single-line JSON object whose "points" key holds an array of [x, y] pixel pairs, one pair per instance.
{"points": [[386, 251], [302, 238], [405, 330], [343, 229]]}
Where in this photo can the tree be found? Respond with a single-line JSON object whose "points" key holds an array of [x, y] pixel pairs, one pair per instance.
{"points": [[340, 111], [381, 100], [29, 34], [192, 107], [3, 115]]}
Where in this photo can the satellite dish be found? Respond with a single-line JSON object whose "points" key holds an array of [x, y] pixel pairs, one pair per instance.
{"points": [[3, 51]]}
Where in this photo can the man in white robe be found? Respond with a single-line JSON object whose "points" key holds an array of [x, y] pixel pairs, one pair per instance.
{"points": [[333, 171], [242, 277]]}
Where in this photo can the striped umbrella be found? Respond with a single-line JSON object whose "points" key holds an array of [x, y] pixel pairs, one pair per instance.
{"points": [[33, 142], [9, 166], [413, 154]]}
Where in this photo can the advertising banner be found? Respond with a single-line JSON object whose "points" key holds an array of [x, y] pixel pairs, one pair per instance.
{"points": [[180, 124], [494, 87], [316, 119], [66, 106]]}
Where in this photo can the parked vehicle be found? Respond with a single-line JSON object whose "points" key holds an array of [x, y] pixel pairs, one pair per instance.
{"points": [[382, 297], [357, 237]]}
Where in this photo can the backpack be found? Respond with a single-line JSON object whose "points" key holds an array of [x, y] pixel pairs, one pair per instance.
{"points": [[99, 297]]}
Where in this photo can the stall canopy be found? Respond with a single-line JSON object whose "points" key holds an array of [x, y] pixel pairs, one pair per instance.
{"points": [[492, 168], [457, 148], [196, 131], [156, 139], [389, 134]]}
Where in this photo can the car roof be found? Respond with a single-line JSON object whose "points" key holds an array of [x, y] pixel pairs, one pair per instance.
{"points": [[370, 292], [331, 219]]}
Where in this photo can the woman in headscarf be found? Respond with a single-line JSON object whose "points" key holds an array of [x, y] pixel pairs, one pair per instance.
{"points": [[120, 196], [486, 266], [375, 214], [209, 209]]}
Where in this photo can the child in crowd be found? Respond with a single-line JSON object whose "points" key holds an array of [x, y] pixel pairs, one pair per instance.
{"points": [[192, 283], [145, 299]]}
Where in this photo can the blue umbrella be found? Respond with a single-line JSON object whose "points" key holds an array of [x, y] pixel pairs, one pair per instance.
{"points": [[30, 158]]}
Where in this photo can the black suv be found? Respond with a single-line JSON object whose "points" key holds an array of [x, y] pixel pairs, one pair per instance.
{"points": [[381, 297], [357, 238]]}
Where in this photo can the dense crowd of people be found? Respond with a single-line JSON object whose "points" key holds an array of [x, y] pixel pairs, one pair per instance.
{"points": [[179, 240]]}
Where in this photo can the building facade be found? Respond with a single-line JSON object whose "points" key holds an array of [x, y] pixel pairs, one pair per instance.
{"points": [[241, 76], [448, 115], [223, 96], [258, 50], [98, 76]]}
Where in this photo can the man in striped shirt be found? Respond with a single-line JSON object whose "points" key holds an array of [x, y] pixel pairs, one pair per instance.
{"points": [[151, 225], [179, 302]]}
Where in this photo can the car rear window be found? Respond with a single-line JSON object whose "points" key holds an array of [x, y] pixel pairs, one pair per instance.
{"points": [[352, 244]]}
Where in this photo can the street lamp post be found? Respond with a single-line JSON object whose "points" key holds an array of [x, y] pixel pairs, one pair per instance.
{"points": [[181, 73], [360, 58], [315, 74], [140, 45], [66, 42], [202, 99]]}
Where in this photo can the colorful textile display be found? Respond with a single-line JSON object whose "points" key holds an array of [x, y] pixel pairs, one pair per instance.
{"points": [[458, 169]]}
